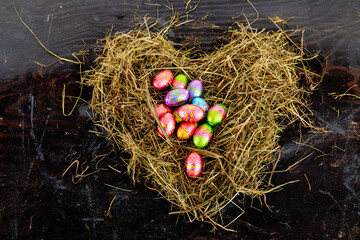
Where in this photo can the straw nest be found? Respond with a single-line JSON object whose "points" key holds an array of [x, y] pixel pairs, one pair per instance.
{"points": [[256, 74]]}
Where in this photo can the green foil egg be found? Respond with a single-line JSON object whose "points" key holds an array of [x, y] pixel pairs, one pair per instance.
{"points": [[180, 81], [216, 114], [177, 118], [202, 135]]}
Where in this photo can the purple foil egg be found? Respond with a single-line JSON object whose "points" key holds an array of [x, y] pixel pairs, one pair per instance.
{"points": [[176, 97], [195, 88]]}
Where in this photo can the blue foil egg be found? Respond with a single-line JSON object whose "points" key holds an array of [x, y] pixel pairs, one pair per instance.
{"points": [[198, 101]]}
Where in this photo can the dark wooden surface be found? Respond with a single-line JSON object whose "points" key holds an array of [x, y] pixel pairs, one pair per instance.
{"points": [[38, 142]]}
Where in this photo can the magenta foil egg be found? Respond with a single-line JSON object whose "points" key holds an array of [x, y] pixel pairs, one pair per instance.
{"points": [[195, 88], [176, 97]]}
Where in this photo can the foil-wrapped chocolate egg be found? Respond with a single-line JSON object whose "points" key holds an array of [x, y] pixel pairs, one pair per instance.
{"points": [[176, 97], [176, 115], [202, 135], [198, 101], [160, 110], [163, 79], [168, 123], [180, 81], [195, 88], [191, 113], [186, 130], [216, 114], [193, 165]]}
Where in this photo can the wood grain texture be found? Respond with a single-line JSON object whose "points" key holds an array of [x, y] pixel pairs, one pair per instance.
{"points": [[37, 143]]}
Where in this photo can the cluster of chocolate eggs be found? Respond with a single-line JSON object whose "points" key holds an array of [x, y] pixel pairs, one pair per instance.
{"points": [[183, 106]]}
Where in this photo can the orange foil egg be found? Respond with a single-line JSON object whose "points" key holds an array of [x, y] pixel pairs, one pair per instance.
{"points": [[163, 79], [186, 130], [168, 123], [191, 113], [161, 109], [193, 165]]}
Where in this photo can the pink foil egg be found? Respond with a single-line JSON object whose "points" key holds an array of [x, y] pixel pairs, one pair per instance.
{"points": [[193, 165], [168, 123], [161, 109], [163, 79], [191, 113]]}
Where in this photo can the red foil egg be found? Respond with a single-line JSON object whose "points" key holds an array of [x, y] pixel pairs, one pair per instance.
{"points": [[161, 109], [163, 79], [168, 123], [193, 165], [186, 130], [191, 113]]}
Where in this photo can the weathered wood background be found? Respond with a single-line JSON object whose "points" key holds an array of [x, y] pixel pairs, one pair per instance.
{"points": [[38, 143]]}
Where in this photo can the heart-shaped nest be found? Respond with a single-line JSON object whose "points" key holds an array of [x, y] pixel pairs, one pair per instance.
{"points": [[255, 74]]}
